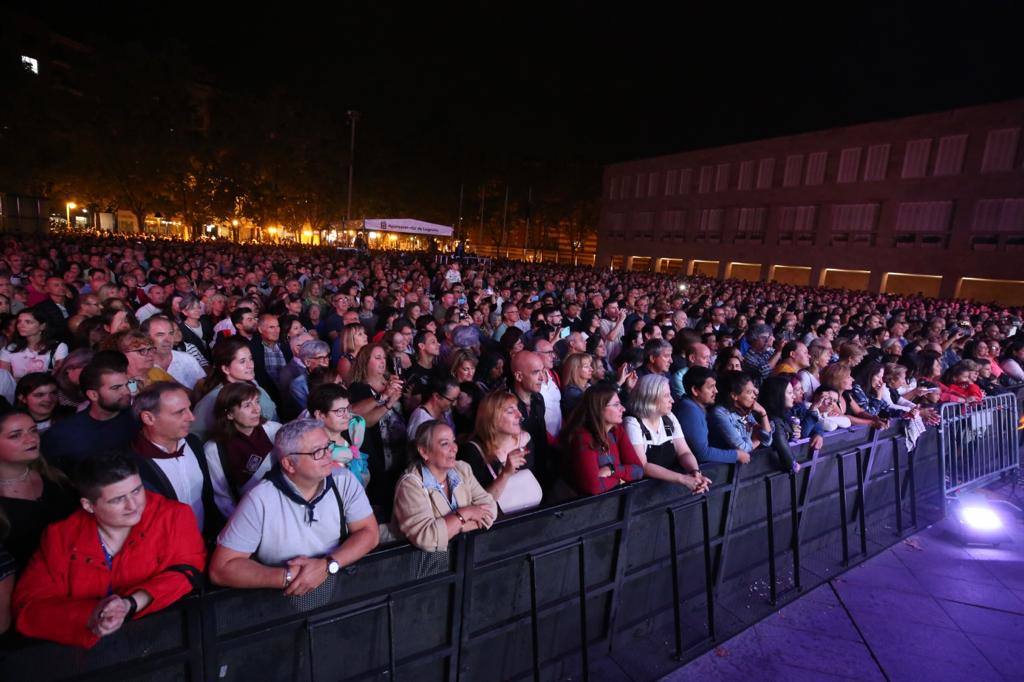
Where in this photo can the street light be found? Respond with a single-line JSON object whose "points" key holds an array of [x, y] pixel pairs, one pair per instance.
{"points": [[70, 206], [353, 118]]}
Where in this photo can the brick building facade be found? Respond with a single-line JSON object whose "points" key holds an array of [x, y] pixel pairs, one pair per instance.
{"points": [[931, 203]]}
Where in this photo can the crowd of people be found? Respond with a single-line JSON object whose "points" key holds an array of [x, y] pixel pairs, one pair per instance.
{"points": [[261, 417]]}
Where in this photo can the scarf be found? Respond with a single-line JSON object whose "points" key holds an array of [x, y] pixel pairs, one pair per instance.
{"points": [[146, 448], [244, 455], [277, 477]]}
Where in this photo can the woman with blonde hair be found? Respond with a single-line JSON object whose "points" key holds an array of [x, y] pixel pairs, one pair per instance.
{"points": [[577, 376], [501, 454], [350, 342]]}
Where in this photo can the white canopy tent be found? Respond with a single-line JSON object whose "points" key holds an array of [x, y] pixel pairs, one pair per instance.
{"points": [[408, 226]]}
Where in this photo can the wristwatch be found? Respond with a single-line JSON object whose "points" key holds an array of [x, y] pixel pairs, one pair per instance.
{"points": [[288, 577], [332, 566], [133, 607]]}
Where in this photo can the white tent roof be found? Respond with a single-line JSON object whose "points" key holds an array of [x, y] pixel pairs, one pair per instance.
{"points": [[408, 226]]}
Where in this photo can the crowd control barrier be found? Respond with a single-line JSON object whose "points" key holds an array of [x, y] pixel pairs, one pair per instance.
{"points": [[643, 578], [979, 442]]}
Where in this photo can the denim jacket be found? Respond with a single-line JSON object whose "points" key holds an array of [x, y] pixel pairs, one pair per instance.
{"points": [[728, 429]]}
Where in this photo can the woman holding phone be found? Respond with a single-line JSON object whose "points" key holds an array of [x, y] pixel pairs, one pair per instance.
{"points": [[501, 454]]}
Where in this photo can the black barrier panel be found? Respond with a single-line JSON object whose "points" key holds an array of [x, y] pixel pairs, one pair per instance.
{"points": [[506, 603], [164, 646], [396, 607], [525, 575]]}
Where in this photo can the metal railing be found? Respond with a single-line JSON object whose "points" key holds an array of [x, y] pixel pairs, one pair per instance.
{"points": [[549, 593], [979, 442]]}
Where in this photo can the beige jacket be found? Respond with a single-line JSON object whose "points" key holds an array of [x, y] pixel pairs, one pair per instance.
{"points": [[419, 513]]}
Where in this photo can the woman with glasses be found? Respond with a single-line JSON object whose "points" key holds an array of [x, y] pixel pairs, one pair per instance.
{"points": [[238, 452], [601, 457], [438, 497], [438, 398], [139, 349], [330, 404], [232, 364]]}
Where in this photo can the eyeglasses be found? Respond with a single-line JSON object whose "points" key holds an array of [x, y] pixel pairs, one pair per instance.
{"points": [[319, 453], [142, 351], [341, 410], [319, 357], [450, 400]]}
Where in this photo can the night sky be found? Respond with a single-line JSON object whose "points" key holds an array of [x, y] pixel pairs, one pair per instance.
{"points": [[465, 91]]}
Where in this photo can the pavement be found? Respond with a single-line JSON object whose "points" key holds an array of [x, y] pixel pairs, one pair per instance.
{"points": [[929, 608]]}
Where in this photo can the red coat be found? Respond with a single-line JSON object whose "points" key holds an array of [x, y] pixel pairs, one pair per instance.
{"points": [[68, 575]]}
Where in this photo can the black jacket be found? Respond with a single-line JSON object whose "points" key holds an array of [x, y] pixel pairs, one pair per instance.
{"points": [[203, 344]]}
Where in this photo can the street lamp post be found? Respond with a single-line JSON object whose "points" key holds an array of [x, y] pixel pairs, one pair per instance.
{"points": [[69, 206], [353, 118]]}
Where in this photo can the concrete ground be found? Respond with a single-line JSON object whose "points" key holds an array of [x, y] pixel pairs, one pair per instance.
{"points": [[928, 608]]}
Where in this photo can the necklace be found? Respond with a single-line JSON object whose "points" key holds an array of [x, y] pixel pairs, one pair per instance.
{"points": [[16, 479]]}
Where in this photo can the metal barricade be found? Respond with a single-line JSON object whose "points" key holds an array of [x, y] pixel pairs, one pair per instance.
{"points": [[978, 442]]}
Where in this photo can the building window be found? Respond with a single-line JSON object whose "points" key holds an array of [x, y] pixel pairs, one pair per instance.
{"points": [[750, 224], [685, 180], [949, 158], [30, 64], [641, 185], [613, 189], [854, 224], [615, 225], [673, 224], [849, 164], [652, 184], [671, 182], [995, 217], [642, 225], [1000, 150], [877, 163], [765, 172], [925, 223], [816, 168], [706, 176], [915, 161], [722, 177], [791, 175], [796, 225], [746, 178], [709, 225]]}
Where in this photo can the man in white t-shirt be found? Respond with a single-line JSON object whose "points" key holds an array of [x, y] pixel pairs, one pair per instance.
{"points": [[302, 523], [157, 297], [550, 389], [183, 367]]}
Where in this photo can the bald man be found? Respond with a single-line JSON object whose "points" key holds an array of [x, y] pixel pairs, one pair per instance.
{"points": [[528, 378]]}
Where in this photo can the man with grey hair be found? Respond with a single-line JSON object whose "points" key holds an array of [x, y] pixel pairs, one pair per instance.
{"points": [[301, 524], [657, 358], [296, 366], [171, 460], [761, 358], [312, 354]]}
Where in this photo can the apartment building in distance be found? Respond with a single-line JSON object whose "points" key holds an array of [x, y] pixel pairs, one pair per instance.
{"points": [[931, 203]]}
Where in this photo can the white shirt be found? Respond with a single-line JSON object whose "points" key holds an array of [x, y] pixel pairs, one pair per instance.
{"points": [[185, 369], [145, 312], [658, 435], [552, 404], [27, 361], [186, 478]]}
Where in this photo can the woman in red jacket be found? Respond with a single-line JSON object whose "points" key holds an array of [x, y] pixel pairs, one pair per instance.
{"points": [[600, 454], [125, 554], [957, 386]]}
